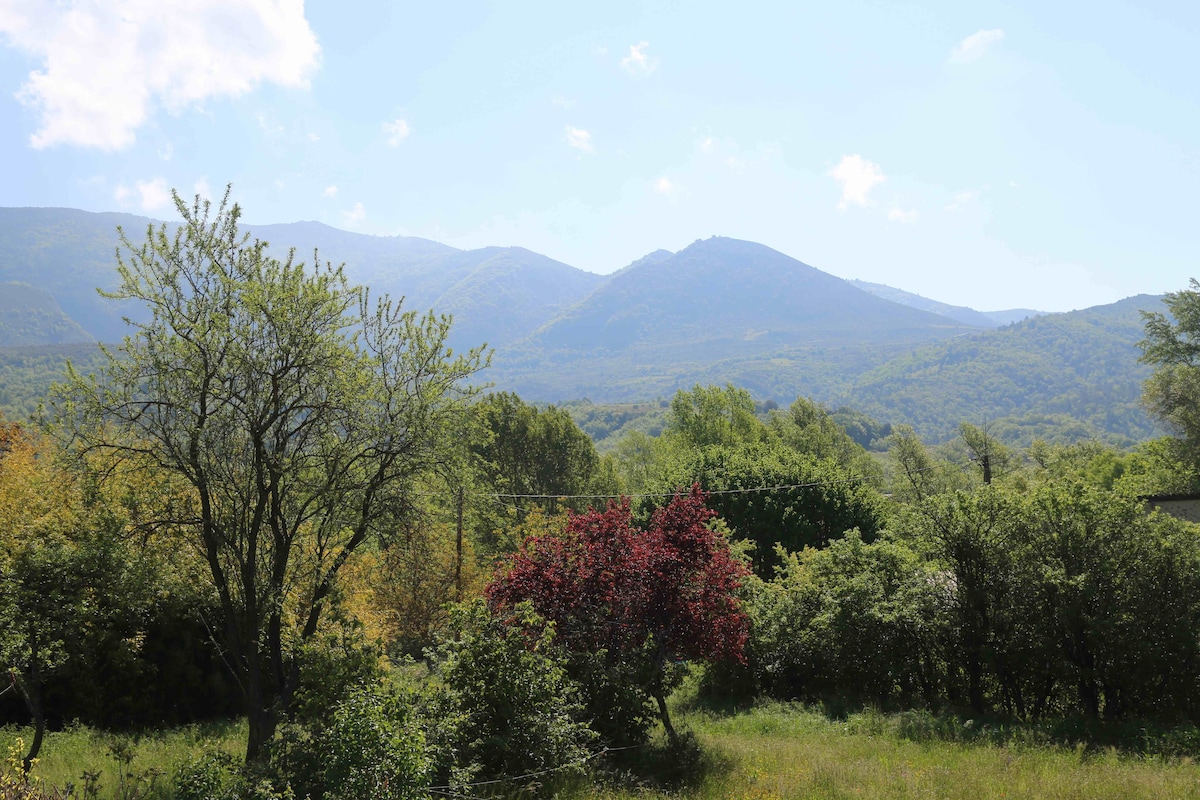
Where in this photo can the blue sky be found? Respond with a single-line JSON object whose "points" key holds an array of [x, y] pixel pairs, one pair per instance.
{"points": [[989, 154]]}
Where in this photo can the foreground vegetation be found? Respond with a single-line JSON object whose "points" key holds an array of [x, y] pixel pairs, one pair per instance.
{"points": [[768, 751], [279, 503]]}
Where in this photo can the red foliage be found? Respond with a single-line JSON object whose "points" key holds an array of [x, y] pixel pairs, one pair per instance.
{"points": [[607, 584]]}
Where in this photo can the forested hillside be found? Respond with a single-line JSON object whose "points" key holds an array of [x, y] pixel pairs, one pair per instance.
{"points": [[496, 294], [720, 311], [69, 254], [1081, 365], [729, 297], [30, 316], [26, 374]]}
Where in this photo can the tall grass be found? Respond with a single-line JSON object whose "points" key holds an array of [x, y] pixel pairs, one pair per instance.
{"points": [[766, 752], [123, 766], [781, 751]]}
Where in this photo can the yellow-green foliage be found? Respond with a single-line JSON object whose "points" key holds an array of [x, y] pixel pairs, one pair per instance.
{"points": [[400, 593]]}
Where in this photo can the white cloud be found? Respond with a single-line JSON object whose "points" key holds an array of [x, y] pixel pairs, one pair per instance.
{"points": [[313, 137], [898, 215], [153, 194], [166, 151], [563, 102], [580, 139], [664, 186], [396, 132], [202, 188], [857, 176], [638, 62], [329, 191], [355, 215], [962, 198], [708, 144], [149, 195], [107, 66], [975, 45]]}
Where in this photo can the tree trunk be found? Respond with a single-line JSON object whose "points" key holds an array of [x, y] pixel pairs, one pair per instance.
{"points": [[261, 712], [666, 716], [261, 724], [975, 681], [31, 689]]}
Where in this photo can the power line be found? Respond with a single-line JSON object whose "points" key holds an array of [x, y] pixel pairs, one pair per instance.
{"points": [[499, 497], [450, 791]]}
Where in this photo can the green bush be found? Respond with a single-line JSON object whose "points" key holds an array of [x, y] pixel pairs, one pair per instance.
{"points": [[515, 711], [212, 776], [855, 621], [219, 776], [374, 748], [370, 745]]}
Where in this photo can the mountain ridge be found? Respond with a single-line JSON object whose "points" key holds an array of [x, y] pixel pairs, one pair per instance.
{"points": [[720, 310]]}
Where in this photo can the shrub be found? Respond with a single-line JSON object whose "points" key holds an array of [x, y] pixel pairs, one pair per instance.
{"points": [[515, 710], [373, 748], [856, 621]]}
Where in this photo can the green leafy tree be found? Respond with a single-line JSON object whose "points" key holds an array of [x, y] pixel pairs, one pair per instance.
{"points": [[714, 415], [771, 494], [856, 621], [531, 451], [991, 456], [972, 534], [917, 474], [1172, 347], [515, 710], [372, 747], [74, 596], [294, 415], [807, 427]]}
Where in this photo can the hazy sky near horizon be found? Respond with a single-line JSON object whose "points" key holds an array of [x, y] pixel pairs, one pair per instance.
{"points": [[990, 154]]}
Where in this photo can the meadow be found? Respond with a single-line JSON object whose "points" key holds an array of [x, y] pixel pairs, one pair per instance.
{"points": [[769, 751]]}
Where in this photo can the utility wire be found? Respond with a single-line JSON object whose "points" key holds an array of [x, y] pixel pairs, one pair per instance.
{"points": [[500, 496], [449, 791]]}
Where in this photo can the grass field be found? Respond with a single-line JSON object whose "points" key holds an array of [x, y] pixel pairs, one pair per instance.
{"points": [[773, 751], [124, 766], [786, 752]]}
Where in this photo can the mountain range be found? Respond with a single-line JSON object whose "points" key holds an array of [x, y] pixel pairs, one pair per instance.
{"points": [[720, 310]]}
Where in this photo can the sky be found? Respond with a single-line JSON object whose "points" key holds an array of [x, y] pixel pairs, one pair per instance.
{"points": [[989, 154]]}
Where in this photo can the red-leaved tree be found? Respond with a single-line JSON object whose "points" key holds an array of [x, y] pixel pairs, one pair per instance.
{"points": [[644, 599]]}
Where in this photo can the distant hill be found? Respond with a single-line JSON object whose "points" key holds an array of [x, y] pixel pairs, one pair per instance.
{"points": [[967, 316], [733, 296], [1081, 364], [496, 294], [68, 254], [1011, 315], [719, 310], [30, 316]]}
